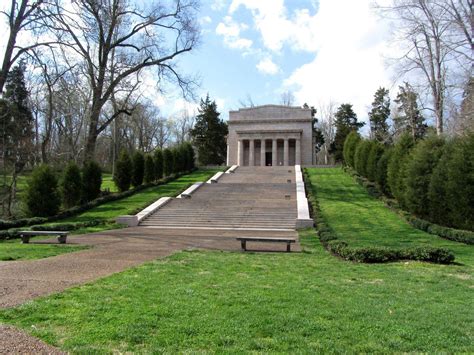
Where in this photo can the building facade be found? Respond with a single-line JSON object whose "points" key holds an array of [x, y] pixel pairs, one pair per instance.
{"points": [[270, 135]]}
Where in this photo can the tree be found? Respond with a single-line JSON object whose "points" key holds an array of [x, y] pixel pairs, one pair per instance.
{"points": [[346, 121], [379, 115], [91, 180], [190, 158], [167, 162], [71, 185], [123, 172], [287, 98], [409, 118], [318, 137], [138, 168], [149, 173], [158, 159], [381, 175], [361, 156], [375, 154], [42, 197], [350, 145], [327, 127], [116, 40], [16, 130], [209, 134]]}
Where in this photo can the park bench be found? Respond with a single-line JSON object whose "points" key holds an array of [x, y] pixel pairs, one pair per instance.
{"points": [[25, 235], [244, 240]]}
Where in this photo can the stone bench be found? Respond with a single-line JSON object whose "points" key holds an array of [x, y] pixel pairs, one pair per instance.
{"points": [[244, 240], [25, 235]]}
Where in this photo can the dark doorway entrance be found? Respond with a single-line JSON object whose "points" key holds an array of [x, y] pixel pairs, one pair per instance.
{"points": [[268, 158]]}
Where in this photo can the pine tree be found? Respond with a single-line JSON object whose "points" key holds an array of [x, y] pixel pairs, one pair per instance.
{"points": [[123, 172], [42, 197], [149, 174], [168, 162], [71, 185], [209, 134], [91, 180], [350, 145], [158, 160], [379, 115], [409, 118], [138, 168], [346, 121]]}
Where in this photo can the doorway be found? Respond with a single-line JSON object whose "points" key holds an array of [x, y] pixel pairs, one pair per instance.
{"points": [[268, 158]]}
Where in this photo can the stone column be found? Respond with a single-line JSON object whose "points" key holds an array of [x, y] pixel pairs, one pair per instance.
{"points": [[286, 153], [262, 152], [240, 152], [274, 152], [251, 152], [298, 152]]}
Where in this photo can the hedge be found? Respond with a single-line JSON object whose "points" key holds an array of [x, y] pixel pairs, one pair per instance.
{"points": [[331, 242]]}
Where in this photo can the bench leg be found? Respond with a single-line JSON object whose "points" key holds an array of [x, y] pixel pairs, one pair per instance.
{"points": [[62, 239], [243, 244], [288, 248], [25, 239]]}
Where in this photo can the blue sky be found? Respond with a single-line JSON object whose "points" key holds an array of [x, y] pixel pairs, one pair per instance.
{"points": [[327, 50]]}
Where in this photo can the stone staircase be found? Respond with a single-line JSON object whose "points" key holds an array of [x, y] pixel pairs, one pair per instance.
{"points": [[252, 198]]}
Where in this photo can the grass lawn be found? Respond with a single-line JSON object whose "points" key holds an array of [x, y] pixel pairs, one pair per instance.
{"points": [[362, 220], [203, 301], [108, 183], [14, 250]]}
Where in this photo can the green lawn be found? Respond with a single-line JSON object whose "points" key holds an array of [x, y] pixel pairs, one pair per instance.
{"points": [[14, 250], [362, 220], [108, 183], [260, 302]]}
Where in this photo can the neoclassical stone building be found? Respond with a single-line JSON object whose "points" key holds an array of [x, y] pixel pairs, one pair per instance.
{"points": [[270, 135]]}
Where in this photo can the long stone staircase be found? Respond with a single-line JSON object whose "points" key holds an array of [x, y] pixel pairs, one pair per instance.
{"points": [[252, 198]]}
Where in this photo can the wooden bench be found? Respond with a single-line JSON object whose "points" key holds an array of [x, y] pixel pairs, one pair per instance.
{"points": [[25, 235], [244, 240]]}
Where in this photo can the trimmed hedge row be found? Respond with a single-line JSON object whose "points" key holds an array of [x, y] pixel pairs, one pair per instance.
{"points": [[334, 245], [456, 235], [26, 222]]}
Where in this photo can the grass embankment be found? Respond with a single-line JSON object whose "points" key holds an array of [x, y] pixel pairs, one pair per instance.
{"points": [[14, 250], [265, 302], [364, 221]]}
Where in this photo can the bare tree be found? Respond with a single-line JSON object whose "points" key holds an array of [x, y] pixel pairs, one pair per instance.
{"points": [[182, 124], [327, 126], [247, 102], [437, 39], [287, 98], [116, 36]]}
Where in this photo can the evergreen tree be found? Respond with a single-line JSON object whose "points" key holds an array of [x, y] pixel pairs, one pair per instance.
{"points": [[71, 185], [350, 145], [91, 180], [361, 156], [209, 134], [189, 151], [381, 174], [123, 172], [317, 133], [409, 118], [42, 197], [149, 174], [346, 121], [168, 162], [158, 159], [379, 115], [376, 151], [138, 168]]}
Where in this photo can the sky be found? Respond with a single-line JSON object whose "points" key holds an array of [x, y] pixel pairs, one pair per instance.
{"points": [[320, 50]]}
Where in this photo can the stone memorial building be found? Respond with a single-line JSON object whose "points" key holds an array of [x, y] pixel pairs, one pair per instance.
{"points": [[270, 135]]}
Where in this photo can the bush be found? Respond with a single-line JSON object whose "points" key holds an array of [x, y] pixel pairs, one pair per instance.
{"points": [[42, 197], [361, 156], [190, 157], [376, 151], [138, 168], [350, 145], [419, 167], [178, 159], [168, 167], [149, 173], [123, 172], [91, 181], [71, 185], [158, 159], [396, 167], [381, 173]]}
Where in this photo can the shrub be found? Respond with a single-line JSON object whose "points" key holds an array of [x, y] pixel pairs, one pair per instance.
{"points": [[350, 145], [149, 173], [190, 157], [71, 185], [91, 181], [42, 197], [123, 172], [138, 168], [396, 167], [420, 164], [381, 172], [158, 159], [361, 155], [168, 160], [178, 159], [376, 151]]}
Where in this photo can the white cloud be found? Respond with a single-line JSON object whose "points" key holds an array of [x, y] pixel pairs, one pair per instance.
{"points": [[266, 66], [231, 30], [218, 5], [205, 19]]}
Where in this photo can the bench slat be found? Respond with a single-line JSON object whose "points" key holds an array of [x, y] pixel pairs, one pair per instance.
{"points": [[43, 232]]}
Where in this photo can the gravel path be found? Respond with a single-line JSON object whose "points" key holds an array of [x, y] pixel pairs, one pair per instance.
{"points": [[14, 341]]}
